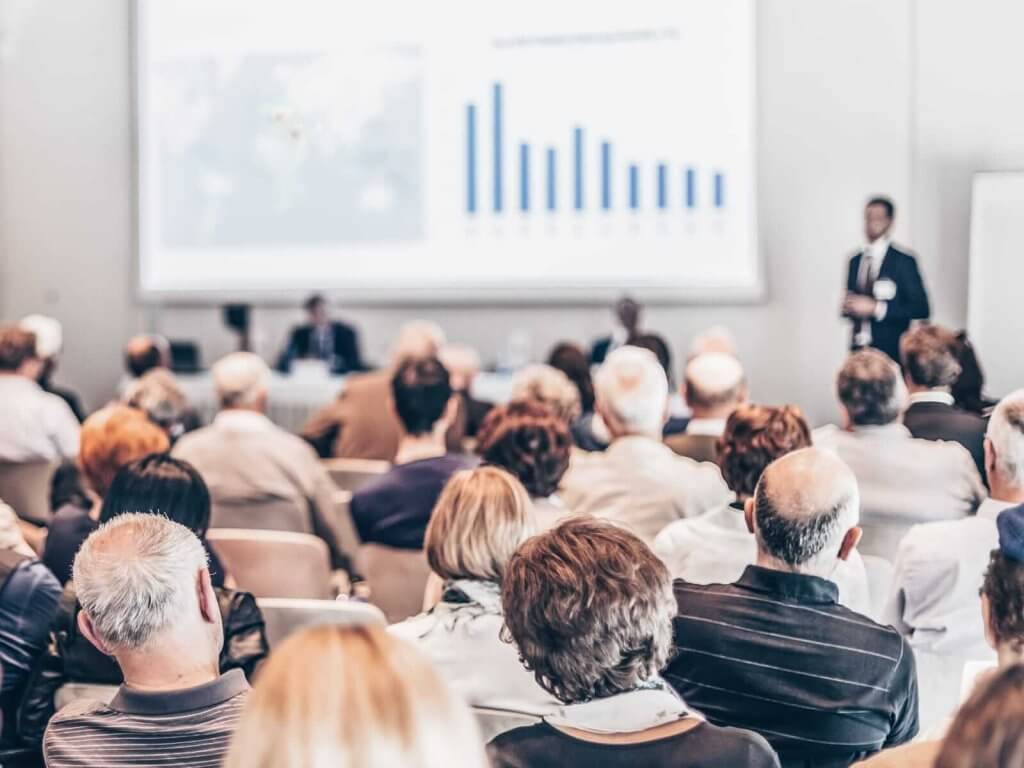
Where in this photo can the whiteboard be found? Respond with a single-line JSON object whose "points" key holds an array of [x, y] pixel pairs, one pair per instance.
{"points": [[457, 150], [995, 314]]}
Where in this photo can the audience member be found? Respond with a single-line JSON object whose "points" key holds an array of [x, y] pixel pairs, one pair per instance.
{"points": [[463, 365], [989, 731], [969, 388], [333, 342], [394, 509], [353, 697], [111, 437], [246, 459], [713, 388], [638, 481], [361, 423], [627, 317], [717, 547], [716, 340], [147, 600], [144, 353], [158, 395], [572, 361], [590, 610], [549, 386], [526, 438], [930, 368], [775, 652], [34, 424], [158, 485], [480, 520], [939, 566], [49, 344], [902, 480]]}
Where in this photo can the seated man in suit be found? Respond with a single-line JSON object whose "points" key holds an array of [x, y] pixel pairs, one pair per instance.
{"points": [[394, 509], [321, 339], [903, 480], [714, 387], [638, 482], [930, 368], [939, 566], [627, 315], [774, 652]]}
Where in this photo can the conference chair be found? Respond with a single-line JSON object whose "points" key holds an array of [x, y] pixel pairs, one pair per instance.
{"points": [[397, 579], [26, 487], [262, 515], [493, 722], [283, 616], [275, 563], [352, 474], [879, 572]]}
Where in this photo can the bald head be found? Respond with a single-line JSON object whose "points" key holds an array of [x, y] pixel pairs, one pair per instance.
{"points": [[417, 340], [145, 352], [715, 385], [805, 511]]}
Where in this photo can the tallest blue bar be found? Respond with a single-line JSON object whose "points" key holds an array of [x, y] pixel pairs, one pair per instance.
{"points": [[497, 148], [470, 158]]}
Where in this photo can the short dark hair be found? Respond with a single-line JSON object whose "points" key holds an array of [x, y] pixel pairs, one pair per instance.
{"points": [[528, 439], [571, 360], [16, 346], [421, 389], [988, 731], [590, 608], [868, 386], [144, 360], [929, 357], [754, 437], [793, 539], [161, 485], [313, 301], [885, 202]]}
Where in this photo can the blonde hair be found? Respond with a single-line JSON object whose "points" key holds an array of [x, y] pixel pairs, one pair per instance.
{"points": [[481, 518], [353, 697]]}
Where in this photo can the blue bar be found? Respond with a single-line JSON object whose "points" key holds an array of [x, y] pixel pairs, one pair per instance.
{"points": [[606, 175], [662, 185], [577, 139], [497, 148], [470, 158], [634, 187], [691, 188], [524, 177], [719, 190], [551, 178]]}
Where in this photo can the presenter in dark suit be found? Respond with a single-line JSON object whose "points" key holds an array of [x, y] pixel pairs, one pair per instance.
{"points": [[321, 339], [627, 314], [884, 289]]}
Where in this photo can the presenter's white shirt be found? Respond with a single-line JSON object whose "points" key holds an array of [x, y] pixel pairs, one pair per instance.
{"points": [[34, 425]]}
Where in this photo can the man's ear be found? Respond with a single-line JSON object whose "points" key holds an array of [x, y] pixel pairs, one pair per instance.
{"points": [[990, 459], [207, 597], [451, 410], [844, 418], [748, 513], [86, 628], [850, 542]]}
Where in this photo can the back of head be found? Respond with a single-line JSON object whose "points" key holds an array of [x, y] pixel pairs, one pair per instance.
{"points": [[969, 388], [714, 382], [390, 708], [480, 519], [462, 363], [590, 608], [804, 505], [632, 389], [421, 390], [160, 484], [571, 360], [659, 347], [988, 731], [528, 439], [1006, 434], [548, 385], [717, 340], [136, 578], [17, 347], [48, 332], [754, 437], [115, 436], [157, 393], [144, 353], [241, 380], [928, 356], [1003, 586], [870, 388], [417, 340]]}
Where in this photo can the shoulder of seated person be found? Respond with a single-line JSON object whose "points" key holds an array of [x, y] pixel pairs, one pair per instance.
{"points": [[76, 709]]}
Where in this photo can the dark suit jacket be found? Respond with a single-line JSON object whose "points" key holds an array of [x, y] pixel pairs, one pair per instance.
{"points": [[346, 348], [938, 421], [909, 303], [599, 350]]}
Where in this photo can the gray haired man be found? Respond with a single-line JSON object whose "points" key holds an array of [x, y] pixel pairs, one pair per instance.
{"points": [[147, 600]]}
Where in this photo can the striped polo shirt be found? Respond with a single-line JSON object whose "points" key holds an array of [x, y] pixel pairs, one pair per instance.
{"points": [[776, 654], [191, 727]]}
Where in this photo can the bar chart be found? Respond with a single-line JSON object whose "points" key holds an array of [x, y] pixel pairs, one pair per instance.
{"points": [[633, 185]]}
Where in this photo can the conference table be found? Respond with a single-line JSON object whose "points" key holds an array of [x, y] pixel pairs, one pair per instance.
{"points": [[293, 398]]}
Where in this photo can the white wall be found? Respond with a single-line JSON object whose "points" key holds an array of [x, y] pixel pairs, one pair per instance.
{"points": [[856, 97]]}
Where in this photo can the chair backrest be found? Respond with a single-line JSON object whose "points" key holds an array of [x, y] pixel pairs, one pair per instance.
{"points": [[879, 572], [397, 579], [493, 722], [70, 692], [275, 563], [262, 515], [353, 474], [26, 487], [283, 616]]}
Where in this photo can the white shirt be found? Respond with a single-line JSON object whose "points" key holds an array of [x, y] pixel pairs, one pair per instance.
{"points": [[34, 425], [871, 260], [938, 571], [706, 427], [716, 548], [931, 396]]}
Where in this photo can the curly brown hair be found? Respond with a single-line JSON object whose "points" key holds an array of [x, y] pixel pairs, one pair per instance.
{"points": [[527, 438], [590, 608], [1004, 588], [988, 731], [754, 437]]}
